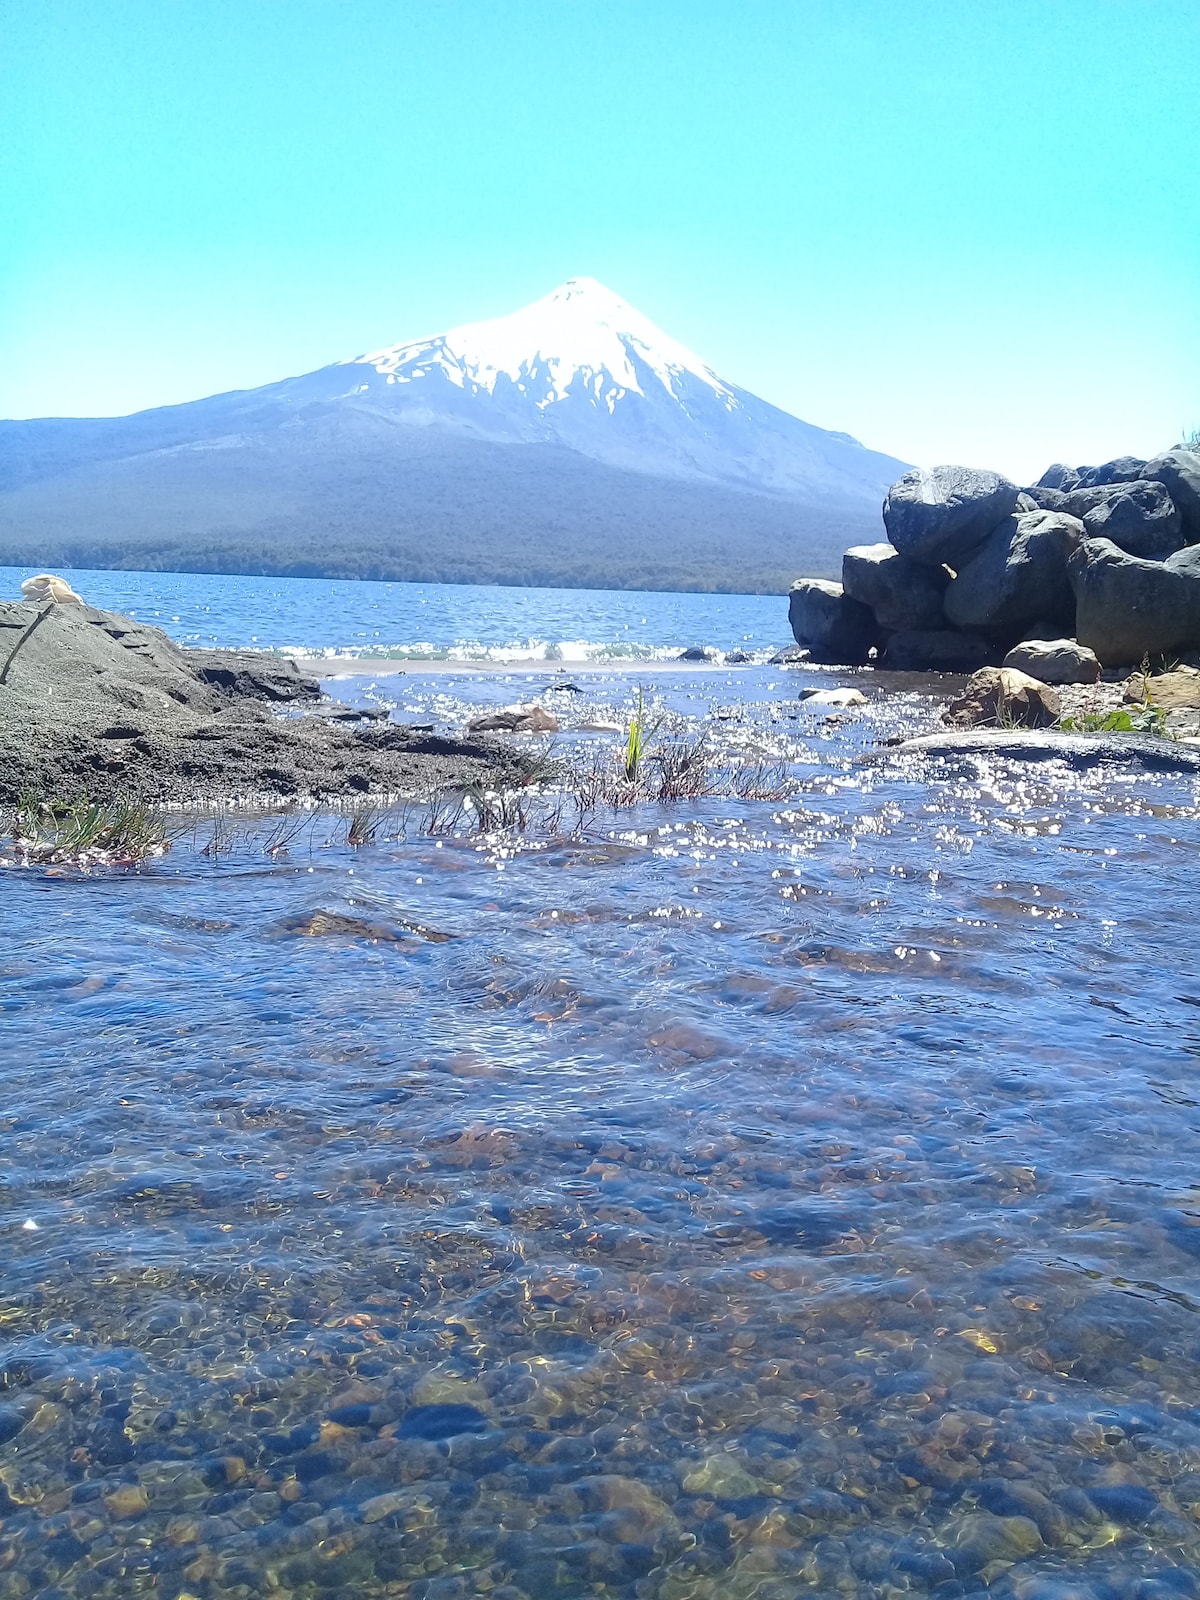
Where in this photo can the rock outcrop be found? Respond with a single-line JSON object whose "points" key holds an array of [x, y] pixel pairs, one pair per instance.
{"points": [[96, 706], [939, 515], [74, 651], [831, 626], [254, 672], [1105, 557]]}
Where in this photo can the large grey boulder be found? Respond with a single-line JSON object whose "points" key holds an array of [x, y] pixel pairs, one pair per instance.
{"points": [[1124, 469], [1018, 574], [831, 626], [1055, 661], [1139, 517], [935, 650], [940, 514], [1127, 607], [1075, 502], [1046, 498], [1059, 476], [1179, 473], [1082, 501], [901, 593]]}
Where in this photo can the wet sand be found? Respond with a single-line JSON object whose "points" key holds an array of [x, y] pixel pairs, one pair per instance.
{"points": [[383, 666], [95, 706]]}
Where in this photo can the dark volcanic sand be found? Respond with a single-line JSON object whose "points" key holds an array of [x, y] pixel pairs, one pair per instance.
{"points": [[94, 704]]}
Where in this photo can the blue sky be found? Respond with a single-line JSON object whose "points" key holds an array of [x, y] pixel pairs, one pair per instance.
{"points": [[960, 231]]}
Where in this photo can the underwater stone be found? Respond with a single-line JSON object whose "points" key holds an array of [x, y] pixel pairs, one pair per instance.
{"points": [[1126, 1503], [719, 1478], [441, 1422]]}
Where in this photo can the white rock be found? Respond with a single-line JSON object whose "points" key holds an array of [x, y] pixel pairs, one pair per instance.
{"points": [[47, 587], [834, 697]]}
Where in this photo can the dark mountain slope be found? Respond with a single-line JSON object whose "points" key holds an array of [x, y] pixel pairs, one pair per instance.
{"points": [[351, 493]]}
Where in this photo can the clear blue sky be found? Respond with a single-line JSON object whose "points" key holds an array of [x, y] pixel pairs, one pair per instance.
{"points": [[961, 231]]}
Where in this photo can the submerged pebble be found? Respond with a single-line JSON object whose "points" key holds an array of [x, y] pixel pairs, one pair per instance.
{"points": [[762, 1198]]}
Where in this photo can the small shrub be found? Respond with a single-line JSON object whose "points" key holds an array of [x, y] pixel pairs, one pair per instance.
{"points": [[683, 769], [1135, 719]]}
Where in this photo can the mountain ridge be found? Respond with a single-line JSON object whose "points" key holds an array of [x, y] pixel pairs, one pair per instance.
{"points": [[579, 378]]}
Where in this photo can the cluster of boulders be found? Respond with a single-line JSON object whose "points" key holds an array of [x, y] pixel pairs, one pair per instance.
{"points": [[1089, 567]]}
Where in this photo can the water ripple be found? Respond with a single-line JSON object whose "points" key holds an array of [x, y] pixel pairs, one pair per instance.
{"points": [[745, 1199]]}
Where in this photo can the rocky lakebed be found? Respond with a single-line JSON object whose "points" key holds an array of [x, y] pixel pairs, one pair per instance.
{"points": [[771, 1175]]}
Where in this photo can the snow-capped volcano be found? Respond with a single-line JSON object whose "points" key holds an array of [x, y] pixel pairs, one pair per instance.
{"points": [[572, 442], [581, 338], [583, 368]]}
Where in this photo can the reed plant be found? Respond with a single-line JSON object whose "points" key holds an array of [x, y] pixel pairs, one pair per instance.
{"points": [[284, 832], [639, 738], [83, 832], [363, 825]]}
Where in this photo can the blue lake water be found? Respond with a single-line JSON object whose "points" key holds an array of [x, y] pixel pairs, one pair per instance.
{"points": [[428, 619], [752, 1198]]}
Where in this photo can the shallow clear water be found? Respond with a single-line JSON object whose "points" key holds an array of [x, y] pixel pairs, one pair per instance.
{"points": [[752, 1199]]}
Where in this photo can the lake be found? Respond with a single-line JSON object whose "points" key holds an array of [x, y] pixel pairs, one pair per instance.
{"points": [[740, 1197], [429, 620]]}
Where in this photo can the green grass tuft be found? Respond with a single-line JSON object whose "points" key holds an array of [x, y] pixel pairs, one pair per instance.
{"points": [[84, 832]]}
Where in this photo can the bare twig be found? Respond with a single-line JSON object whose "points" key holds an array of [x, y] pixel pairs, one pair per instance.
{"points": [[25, 637]]}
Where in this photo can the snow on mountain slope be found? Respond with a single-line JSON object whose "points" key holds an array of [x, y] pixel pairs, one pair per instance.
{"points": [[579, 369], [583, 368], [581, 337]]}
